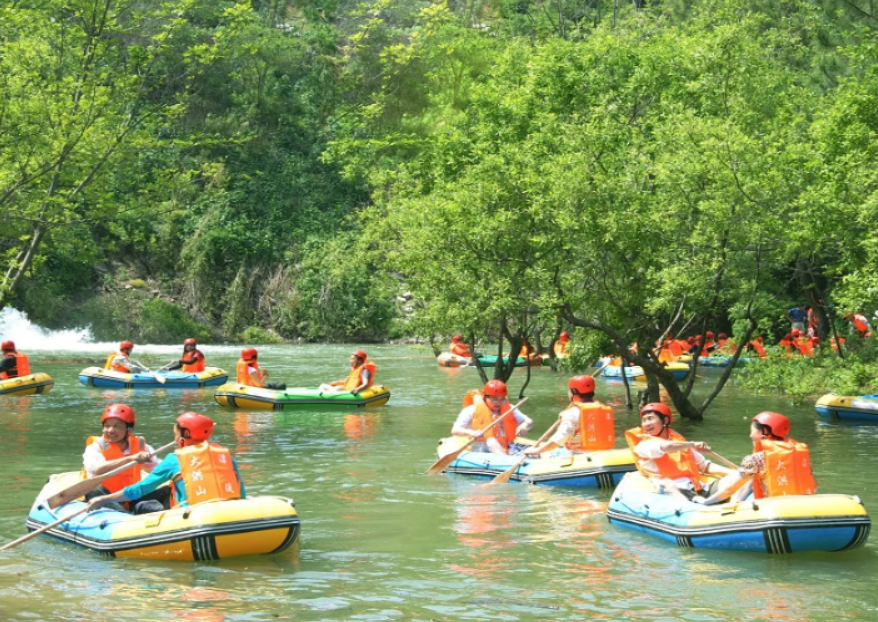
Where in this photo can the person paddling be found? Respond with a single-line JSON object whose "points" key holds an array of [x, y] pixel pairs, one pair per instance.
{"points": [[586, 425], [485, 409], [14, 364], [117, 446], [120, 361], [673, 464], [459, 348], [198, 470], [192, 361]]}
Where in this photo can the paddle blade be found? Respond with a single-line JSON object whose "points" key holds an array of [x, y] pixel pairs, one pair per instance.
{"points": [[443, 462], [73, 492], [159, 378]]}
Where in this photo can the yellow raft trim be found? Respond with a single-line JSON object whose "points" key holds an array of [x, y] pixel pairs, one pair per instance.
{"points": [[27, 385]]}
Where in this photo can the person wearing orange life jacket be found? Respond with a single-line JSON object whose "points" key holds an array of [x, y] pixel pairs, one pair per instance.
{"points": [[665, 457], [120, 361], [248, 372], [560, 347], [360, 378], [676, 347], [586, 425], [778, 465], [693, 345], [725, 345], [787, 343], [475, 418], [198, 470], [459, 348], [14, 364], [116, 447], [192, 361], [709, 344], [836, 341], [860, 324], [757, 345]]}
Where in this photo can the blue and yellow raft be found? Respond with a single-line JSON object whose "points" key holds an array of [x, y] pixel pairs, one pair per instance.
{"points": [[110, 379], [594, 469], [27, 385], [205, 531], [849, 408], [791, 524]]}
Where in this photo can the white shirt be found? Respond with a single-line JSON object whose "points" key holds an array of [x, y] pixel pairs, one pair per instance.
{"points": [[92, 458], [568, 428], [124, 361], [649, 451]]}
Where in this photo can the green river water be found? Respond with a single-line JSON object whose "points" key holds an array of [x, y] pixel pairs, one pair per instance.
{"points": [[382, 541]]}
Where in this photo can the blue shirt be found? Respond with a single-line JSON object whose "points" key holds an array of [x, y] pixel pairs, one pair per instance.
{"points": [[165, 472], [797, 315]]}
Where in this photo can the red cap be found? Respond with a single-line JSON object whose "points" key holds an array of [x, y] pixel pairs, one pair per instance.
{"points": [[359, 354]]}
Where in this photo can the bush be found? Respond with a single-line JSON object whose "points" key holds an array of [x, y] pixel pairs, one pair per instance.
{"points": [[164, 322], [257, 335]]}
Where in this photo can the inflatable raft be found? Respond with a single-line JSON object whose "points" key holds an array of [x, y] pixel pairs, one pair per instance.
{"points": [[109, 379], [27, 385], [253, 398], [205, 531], [791, 524], [635, 372], [447, 359], [721, 361], [595, 469], [848, 408]]}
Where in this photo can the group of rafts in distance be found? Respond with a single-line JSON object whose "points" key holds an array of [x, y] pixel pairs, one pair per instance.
{"points": [[664, 484]]}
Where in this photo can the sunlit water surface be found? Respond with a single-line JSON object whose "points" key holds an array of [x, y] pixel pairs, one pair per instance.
{"points": [[382, 541]]}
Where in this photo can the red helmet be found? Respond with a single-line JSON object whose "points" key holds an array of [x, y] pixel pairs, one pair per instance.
{"points": [[690, 341], [581, 384], [119, 411], [497, 388], [723, 336], [776, 422], [795, 332], [710, 334], [126, 345], [564, 335], [457, 338], [199, 427], [248, 354], [190, 342], [7, 346], [659, 409], [359, 354]]}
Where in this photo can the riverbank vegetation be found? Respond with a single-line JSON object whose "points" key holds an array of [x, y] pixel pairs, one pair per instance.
{"points": [[333, 170]]}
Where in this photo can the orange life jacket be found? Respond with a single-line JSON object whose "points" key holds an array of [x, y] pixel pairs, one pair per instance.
{"points": [[672, 465], [727, 345], [787, 344], [787, 469], [596, 429], [505, 433], [197, 366], [805, 346], [22, 366], [526, 351], [242, 373], [760, 349], [469, 397], [709, 347], [115, 366], [112, 451], [460, 349], [677, 348], [664, 353], [208, 473], [860, 323], [834, 341], [353, 380], [560, 348]]}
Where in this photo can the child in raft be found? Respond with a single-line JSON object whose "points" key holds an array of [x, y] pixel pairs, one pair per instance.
{"points": [[778, 465]]}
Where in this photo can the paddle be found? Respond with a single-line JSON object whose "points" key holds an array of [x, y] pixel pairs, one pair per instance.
{"points": [[505, 475], [84, 487], [43, 529], [728, 463], [158, 377], [443, 462]]}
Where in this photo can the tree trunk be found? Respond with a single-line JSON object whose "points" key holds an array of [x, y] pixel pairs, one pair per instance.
{"points": [[16, 271]]}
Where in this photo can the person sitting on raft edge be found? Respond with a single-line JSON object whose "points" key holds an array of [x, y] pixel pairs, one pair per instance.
{"points": [[360, 378], [494, 403], [120, 361], [459, 348], [672, 463], [248, 373], [586, 425], [779, 465], [197, 470], [192, 361]]}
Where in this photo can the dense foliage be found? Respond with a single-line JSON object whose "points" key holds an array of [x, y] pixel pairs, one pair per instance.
{"points": [[505, 169]]}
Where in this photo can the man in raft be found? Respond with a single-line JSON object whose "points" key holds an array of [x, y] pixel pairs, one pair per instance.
{"points": [[192, 361], [14, 364], [119, 361], [360, 378], [198, 470], [560, 347], [117, 446], [248, 372], [778, 465], [459, 348], [485, 409], [586, 425], [672, 463]]}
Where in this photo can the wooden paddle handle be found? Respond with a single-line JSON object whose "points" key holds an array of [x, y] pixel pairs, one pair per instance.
{"points": [[728, 463], [43, 529]]}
